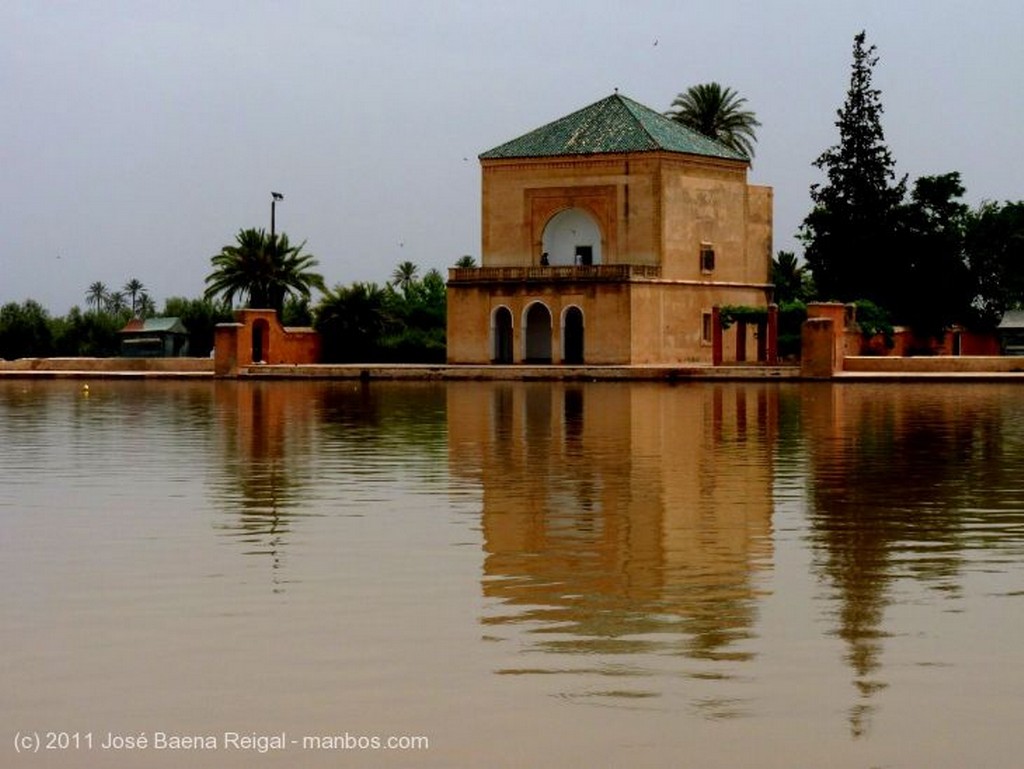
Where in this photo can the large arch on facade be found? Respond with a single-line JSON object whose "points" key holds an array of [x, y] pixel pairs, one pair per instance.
{"points": [[572, 237], [536, 333]]}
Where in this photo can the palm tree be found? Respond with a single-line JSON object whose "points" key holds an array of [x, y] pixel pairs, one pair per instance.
{"points": [[465, 262], [96, 295], [147, 307], [353, 321], [133, 288], [115, 302], [718, 113], [264, 268], [404, 276], [791, 279]]}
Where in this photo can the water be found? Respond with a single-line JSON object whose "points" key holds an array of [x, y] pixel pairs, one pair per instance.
{"points": [[524, 574]]}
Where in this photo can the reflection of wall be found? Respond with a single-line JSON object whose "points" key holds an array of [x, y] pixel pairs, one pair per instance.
{"points": [[610, 507], [266, 434]]}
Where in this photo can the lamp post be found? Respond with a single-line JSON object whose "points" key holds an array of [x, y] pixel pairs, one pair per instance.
{"points": [[274, 197]]}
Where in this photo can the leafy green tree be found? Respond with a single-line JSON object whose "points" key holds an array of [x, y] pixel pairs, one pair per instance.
{"points": [[851, 234], [994, 246], [96, 295], [465, 262], [25, 331], [792, 281], [930, 276], [417, 321], [352, 321], [297, 312], [91, 334], [200, 317], [717, 112], [264, 269]]}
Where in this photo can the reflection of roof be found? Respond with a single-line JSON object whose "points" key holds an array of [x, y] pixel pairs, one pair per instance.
{"points": [[614, 124], [168, 325], [1012, 319]]}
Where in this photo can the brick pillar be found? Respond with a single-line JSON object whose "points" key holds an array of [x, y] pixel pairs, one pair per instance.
{"points": [[817, 348]]}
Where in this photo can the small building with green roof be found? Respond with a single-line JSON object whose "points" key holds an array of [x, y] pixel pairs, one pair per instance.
{"points": [[608, 237], [164, 337]]}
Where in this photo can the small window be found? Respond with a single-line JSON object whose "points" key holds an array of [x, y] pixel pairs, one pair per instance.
{"points": [[707, 257], [705, 328]]}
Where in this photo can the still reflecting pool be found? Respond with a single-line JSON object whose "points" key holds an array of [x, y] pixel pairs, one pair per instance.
{"points": [[524, 574]]}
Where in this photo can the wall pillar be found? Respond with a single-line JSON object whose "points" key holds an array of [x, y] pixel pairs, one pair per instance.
{"points": [[716, 336], [817, 348]]}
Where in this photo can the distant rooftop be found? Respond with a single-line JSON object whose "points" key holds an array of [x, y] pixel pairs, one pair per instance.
{"points": [[615, 124]]}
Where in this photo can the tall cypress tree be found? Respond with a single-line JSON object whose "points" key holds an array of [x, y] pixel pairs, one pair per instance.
{"points": [[850, 236]]}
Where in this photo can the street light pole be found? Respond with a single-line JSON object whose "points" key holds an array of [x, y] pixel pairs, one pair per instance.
{"points": [[274, 197]]}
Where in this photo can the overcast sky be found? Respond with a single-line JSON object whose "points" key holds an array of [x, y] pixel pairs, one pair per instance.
{"points": [[138, 137]]}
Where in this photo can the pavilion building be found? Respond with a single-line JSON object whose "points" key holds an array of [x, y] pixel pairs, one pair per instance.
{"points": [[610, 236]]}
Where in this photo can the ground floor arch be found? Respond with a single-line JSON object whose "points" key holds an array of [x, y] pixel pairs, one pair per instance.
{"points": [[572, 335], [501, 334], [537, 333]]}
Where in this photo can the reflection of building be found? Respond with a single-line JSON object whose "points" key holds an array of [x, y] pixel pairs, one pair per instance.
{"points": [[608, 237], [616, 511]]}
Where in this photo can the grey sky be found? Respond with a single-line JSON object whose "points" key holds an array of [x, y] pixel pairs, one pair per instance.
{"points": [[138, 137]]}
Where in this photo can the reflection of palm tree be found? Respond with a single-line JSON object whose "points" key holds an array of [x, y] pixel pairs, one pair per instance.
{"points": [[717, 113], [264, 268], [96, 295]]}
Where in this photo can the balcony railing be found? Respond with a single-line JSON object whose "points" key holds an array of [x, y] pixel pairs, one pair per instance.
{"points": [[561, 273]]}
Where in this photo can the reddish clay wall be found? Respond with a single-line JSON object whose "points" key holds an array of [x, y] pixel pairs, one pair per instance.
{"points": [[256, 338]]}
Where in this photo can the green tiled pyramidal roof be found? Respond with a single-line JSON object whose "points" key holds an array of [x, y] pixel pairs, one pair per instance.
{"points": [[614, 124]]}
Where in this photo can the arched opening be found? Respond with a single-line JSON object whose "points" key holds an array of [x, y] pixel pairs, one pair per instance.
{"points": [[260, 341], [572, 335], [537, 324], [572, 236], [501, 332]]}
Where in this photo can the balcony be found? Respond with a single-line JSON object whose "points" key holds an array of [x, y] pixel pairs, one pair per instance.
{"points": [[554, 274]]}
